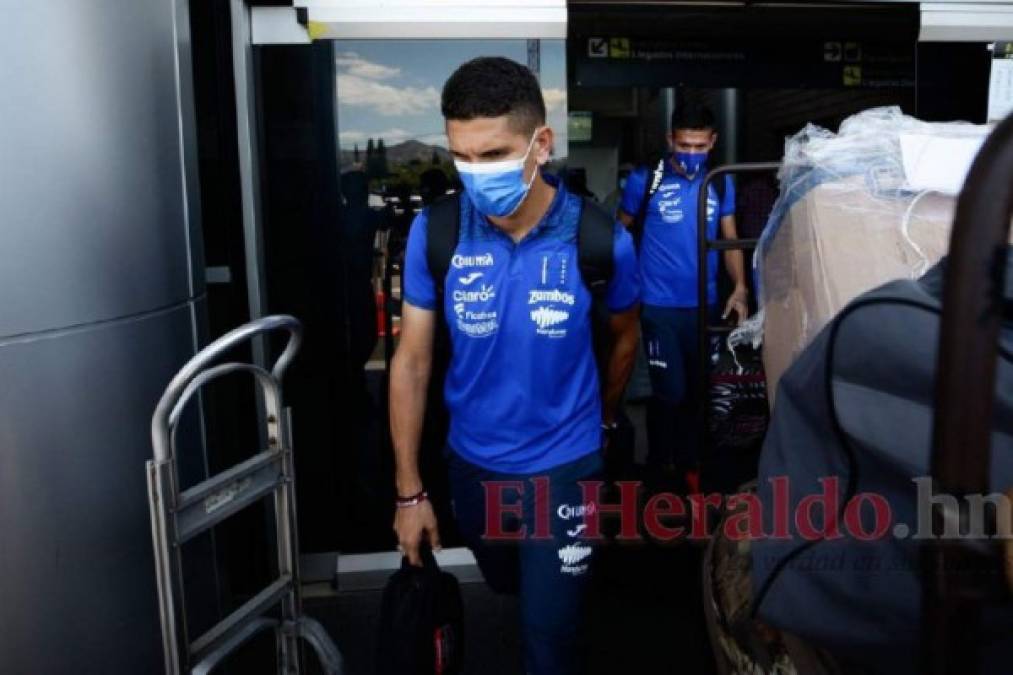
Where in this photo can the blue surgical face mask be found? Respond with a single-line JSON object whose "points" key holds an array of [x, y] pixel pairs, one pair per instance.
{"points": [[497, 188], [691, 162]]}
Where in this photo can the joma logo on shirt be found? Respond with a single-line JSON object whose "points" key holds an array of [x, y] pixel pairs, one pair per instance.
{"points": [[535, 297], [482, 260]]}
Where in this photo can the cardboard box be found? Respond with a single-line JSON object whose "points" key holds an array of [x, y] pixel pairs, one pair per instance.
{"points": [[836, 242]]}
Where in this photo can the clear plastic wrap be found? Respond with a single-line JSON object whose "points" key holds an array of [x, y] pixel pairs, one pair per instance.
{"points": [[846, 221]]}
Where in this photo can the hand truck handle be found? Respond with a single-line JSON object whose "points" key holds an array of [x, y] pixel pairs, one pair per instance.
{"points": [[207, 356]]}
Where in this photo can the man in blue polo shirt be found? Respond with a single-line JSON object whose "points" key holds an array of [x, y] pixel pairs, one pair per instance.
{"points": [[664, 214], [522, 388]]}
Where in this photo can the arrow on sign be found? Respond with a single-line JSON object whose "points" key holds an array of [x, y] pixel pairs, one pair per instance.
{"points": [[598, 48]]}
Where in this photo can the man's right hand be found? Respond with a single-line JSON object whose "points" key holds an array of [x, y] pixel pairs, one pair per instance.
{"points": [[414, 525]]}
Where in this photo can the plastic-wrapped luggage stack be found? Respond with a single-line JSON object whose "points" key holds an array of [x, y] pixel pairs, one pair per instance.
{"points": [[851, 282], [854, 212]]}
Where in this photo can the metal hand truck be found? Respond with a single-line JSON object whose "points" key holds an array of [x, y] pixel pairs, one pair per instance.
{"points": [[177, 517], [704, 246]]}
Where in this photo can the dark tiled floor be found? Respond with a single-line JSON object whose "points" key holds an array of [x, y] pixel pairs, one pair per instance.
{"points": [[645, 617]]}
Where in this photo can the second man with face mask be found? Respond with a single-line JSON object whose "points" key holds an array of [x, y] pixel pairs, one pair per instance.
{"points": [[659, 203]]}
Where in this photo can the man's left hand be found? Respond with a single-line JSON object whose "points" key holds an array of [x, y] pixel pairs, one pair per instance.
{"points": [[738, 302]]}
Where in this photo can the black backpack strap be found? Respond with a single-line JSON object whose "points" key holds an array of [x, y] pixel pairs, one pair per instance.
{"points": [[442, 235], [595, 258], [651, 186], [594, 247], [444, 225]]}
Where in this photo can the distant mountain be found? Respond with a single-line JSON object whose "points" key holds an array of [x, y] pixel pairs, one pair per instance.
{"points": [[402, 153]]}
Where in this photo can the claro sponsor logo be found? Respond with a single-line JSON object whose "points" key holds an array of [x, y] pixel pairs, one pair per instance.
{"points": [[480, 260], [483, 294], [535, 297]]}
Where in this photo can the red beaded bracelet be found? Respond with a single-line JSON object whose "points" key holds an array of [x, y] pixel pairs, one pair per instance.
{"points": [[414, 500]]}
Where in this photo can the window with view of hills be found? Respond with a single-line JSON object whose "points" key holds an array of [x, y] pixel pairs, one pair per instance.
{"points": [[388, 93]]}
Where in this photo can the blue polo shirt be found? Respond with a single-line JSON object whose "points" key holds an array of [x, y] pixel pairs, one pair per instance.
{"points": [[668, 255], [522, 387]]}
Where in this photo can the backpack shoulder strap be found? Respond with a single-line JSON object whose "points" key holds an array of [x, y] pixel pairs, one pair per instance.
{"points": [[594, 248], [651, 186], [596, 263], [443, 231], [442, 235]]}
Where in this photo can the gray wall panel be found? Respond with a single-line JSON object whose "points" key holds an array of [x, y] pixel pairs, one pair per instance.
{"points": [[100, 262], [93, 215], [77, 583]]}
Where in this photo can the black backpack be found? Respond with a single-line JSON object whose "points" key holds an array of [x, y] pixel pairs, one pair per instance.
{"points": [[421, 622], [594, 259]]}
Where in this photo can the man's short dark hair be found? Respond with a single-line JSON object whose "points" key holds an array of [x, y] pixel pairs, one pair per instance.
{"points": [[693, 116], [492, 86]]}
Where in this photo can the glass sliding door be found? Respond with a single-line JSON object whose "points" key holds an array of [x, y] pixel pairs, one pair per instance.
{"points": [[353, 148]]}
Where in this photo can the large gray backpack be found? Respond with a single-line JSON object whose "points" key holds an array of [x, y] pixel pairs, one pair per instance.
{"points": [[858, 405], [874, 402]]}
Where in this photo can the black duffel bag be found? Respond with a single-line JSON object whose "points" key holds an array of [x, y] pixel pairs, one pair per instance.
{"points": [[421, 621]]}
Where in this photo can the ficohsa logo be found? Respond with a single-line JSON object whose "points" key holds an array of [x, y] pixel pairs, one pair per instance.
{"points": [[482, 260]]}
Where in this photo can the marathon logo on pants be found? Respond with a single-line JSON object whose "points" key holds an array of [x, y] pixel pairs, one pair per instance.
{"points": [[571, 554]]}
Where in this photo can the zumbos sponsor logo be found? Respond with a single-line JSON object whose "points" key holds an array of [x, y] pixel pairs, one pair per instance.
{"points": [[555, 295]]}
